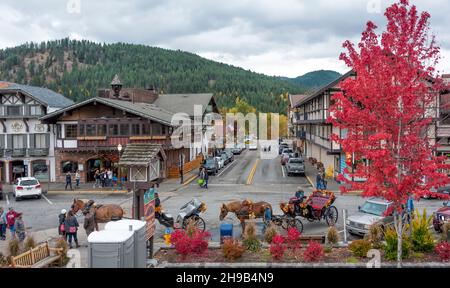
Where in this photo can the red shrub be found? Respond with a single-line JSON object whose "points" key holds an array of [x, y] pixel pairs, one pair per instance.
{"points": [[277, 247], [443, 250], [185, 245], [313, 252], [293, 239]]}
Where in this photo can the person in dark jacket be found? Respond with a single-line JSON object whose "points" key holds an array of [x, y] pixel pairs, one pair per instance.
{"points": [[68, 181], [20, 227], [71, 227], [89, 222], [61, 221]]}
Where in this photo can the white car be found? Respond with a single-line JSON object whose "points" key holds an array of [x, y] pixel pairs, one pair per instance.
{"points": [[27, 187], [221, 162], [253, 145]]}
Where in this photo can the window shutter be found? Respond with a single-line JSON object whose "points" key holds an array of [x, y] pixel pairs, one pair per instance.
{"points": [[47, 140], [2, 141], [25, 141], [9, 140], [32, 141]]}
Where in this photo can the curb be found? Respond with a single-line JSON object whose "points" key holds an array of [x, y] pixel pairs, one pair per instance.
{"points": [[94, 192]]}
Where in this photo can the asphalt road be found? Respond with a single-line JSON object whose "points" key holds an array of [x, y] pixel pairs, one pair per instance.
{"points": [[248, 177]]}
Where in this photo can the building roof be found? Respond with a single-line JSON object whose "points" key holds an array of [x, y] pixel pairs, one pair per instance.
{"points": [[145, 110], [294, 99], [325, 88], [183, 103], [43, 95], [140, 154]]}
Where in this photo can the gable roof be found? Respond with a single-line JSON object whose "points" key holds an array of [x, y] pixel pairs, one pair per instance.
{"points": [[140, 154], [183, 103], [326, 87], [294, 99], [144, 110], [45, 96]]}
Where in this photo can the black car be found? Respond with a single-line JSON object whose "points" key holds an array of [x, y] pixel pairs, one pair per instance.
{"points": [[211, 165], [282, 147]]}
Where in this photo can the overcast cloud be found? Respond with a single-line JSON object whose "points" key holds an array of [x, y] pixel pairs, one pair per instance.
{"points": [[275, 37]]}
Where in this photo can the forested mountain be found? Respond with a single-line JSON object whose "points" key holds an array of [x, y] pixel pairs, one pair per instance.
{"points": [[78, 68], [315, 79]]}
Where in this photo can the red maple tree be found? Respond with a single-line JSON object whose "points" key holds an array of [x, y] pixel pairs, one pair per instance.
{"points": [[386, 111]]}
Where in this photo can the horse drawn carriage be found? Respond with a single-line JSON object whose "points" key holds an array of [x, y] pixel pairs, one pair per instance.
{"points": [[317, 206], [188, 212]]}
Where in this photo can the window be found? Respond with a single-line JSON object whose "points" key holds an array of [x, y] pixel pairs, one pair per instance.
{"points": [[156, 129], [58, 131], [90, 130], [101, 130], [124, 129], [146, 129], [135, 129], [71, 130], [19, 141], [69, 166], [163, 130], [40, 141], [40, 169], [14, 110], [81, 130], [35, 110], [113, 129]]}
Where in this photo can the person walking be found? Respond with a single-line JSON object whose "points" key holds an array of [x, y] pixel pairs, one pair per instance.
{"points": [[90, 225], [11, 221], [20, 227], [68, 181], [205, 177], [61, 221], [109, 174], [77, 179], [97, 179], [71, 226], [3, 224]]}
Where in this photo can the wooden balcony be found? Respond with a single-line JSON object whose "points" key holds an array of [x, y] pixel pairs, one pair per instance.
{"points": [[38, 152], [17, 152], [106, 143]]}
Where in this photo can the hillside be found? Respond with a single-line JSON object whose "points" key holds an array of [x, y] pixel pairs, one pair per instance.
{"points": [[78, 68], [315, 79]]}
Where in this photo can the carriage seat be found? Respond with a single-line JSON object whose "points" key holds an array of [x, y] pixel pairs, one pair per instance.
{"points": [[317, 202]]}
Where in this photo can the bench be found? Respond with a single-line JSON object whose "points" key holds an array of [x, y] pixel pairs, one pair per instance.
{"points": [[38, 257]]}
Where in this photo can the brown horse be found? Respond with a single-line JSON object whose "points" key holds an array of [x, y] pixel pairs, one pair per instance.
{"points": [[103, 213], [244, 210]]}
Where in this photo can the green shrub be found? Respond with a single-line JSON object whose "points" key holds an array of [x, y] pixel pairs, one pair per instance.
{"points": [[360, 247], [352, 260], [422, 239], [270, 232], [251, 242], [390, 249], [327, 250], [332, 235]]}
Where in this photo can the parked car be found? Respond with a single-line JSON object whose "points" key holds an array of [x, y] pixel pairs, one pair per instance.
{"points": [[211, 165], [230, 155], [441, 192], [295, 166], [1, 191], [282, 147], [225, 157], [441, 216], [372, 212], [236, 150], [287, 151], [253, 145], [220, 162], [25, 187]]}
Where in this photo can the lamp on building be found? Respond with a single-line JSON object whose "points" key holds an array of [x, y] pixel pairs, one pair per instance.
{"points": [[119, 148]]}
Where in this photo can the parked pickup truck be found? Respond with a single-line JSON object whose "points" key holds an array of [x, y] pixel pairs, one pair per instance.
{"points": [[295, 166]]}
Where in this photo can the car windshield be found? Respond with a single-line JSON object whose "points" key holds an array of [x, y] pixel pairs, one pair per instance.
{"points": [[296, 161], [374, 208], [28, 182], [287, 151], [210, 161]]}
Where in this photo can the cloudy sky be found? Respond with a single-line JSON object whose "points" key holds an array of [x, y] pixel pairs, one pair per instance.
{"points": [[275, 37]]}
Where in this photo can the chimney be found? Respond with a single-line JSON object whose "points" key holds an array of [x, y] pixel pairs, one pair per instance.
{"points": [[116, 86]]}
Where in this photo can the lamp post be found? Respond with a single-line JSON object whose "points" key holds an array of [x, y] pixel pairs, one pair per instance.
{"points": [[119, 172]]}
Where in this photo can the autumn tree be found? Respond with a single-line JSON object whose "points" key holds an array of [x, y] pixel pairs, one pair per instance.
{"points": [[385, 111]]}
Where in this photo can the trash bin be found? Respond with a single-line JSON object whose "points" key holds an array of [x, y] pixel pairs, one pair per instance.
{"points": [[226, 231], [111, 249]]}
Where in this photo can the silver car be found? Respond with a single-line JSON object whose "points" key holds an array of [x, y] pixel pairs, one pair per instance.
{"points": [[372, 212]]}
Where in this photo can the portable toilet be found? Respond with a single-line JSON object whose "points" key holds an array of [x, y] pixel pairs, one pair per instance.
{"points": [[140, 238], [111, 249], [226, 231]]}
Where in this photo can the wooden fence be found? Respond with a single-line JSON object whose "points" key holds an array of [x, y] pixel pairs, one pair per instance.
{"points": [[174, 171]]}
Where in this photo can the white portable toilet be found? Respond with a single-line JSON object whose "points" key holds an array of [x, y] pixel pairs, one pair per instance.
{"points": [[111, 249], [140, 238]]}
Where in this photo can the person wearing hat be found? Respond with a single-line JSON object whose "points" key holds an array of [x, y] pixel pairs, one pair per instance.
{"points": [[11, 220], [61, 220], [20, 227]]}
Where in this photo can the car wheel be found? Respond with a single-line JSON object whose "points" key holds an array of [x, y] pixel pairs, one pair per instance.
{"points": [[39, 196], [17, 199]]}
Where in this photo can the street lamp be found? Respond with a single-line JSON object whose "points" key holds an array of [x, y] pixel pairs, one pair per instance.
{"points": [[119, 172], [119, 147]]}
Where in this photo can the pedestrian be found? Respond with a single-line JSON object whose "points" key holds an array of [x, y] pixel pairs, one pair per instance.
{"points": [[205, 177], [97, 178], [3, 224], [109, 174], [61, 221], [89, 222], [102, 178], [77, 179], [71, 226], [114, 179], [11, 220], [68, 181], [20, 227]]}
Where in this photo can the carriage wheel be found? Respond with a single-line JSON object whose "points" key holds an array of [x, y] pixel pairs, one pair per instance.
{"points": [[199, 223], [295, 223], [331, 216]]}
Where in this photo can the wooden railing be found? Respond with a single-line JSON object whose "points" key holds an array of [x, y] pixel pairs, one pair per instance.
{"points": [[174, 171]]}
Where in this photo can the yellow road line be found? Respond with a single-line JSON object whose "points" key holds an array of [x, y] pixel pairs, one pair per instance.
{"points": [[310, 182], [190, 180], [252, 172]]}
